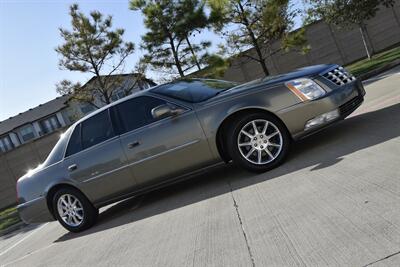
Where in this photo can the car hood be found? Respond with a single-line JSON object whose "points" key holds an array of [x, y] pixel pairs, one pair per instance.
{"points": [[273, 80]]}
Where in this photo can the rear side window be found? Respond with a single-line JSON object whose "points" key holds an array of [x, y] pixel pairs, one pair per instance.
{"points": [[96, 129], [74, 145], [136, 112], [57, 153]]}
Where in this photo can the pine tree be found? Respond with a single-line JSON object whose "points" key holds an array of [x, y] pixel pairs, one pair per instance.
{"points": [[256, 24], [171, 25], [92, 46]]}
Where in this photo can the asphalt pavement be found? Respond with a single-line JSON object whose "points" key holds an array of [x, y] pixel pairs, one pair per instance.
{"points": [[335, 202]]}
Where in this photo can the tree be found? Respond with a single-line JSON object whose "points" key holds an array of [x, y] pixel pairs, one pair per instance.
{"points": [[193, 21], [170, 26], [215, 67], [347, 13], [256, 24], [92, 46]]}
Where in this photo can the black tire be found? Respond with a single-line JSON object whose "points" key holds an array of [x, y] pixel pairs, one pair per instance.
{"points": [[233, 147], [90, 213]]}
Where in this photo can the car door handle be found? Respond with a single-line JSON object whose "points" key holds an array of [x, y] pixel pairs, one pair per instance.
{"points": [[72, 167], [133, 144]]}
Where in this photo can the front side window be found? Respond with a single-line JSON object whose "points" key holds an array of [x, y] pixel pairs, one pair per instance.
{"points": [[27, 133], [96, 129], [136, 112]]}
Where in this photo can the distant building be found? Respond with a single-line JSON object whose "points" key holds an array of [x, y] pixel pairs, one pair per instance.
{"points": [[58, 113], [125, 84]]}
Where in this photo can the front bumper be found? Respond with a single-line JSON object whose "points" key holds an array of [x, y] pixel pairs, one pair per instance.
{"points": [[345, 99], [35, 211]]}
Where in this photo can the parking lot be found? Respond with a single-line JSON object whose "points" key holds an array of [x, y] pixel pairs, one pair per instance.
{"points": [[336, 202]]}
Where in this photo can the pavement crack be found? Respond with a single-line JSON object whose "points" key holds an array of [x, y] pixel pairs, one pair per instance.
{"points": [[382, 259], [241, 225]]}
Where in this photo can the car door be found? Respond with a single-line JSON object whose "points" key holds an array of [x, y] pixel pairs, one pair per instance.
{"points": [[95, 159], [160, 149]]}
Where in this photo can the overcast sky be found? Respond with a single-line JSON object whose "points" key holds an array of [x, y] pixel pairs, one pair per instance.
{"points": [[28, 35]]}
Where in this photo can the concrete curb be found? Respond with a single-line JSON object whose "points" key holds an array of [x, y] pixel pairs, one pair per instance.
{"points": [[12, 228], [375, 72]]}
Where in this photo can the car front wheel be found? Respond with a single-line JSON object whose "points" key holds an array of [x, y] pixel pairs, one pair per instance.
{"points": [[73, 210], [258, 142]]}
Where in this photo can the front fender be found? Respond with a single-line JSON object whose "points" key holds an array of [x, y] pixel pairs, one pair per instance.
{"points": [[212, 114]]}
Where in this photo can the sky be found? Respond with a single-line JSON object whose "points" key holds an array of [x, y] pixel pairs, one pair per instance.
{"points": [[29, 33]]}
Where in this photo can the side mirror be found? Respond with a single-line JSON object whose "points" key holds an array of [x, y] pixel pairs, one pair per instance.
{"points": [[163, 111]]}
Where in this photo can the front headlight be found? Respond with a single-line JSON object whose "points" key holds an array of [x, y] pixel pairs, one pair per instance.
{"points": [[305, 89]]}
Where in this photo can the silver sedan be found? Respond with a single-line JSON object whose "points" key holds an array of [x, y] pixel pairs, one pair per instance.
{"points": [[166, 133]]}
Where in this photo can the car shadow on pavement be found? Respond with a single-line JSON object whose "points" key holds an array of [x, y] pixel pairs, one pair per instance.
{"points": [[20, 231], [319, 151]]}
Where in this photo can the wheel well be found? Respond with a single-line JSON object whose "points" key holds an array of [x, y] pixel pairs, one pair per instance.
{"points": [[222, 130], [52, 191]]}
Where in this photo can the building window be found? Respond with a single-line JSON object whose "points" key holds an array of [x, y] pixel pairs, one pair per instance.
{"points": [[27, 133], [145, 85], [87, 108], [5, 144], [118, 95], [49, 124]]}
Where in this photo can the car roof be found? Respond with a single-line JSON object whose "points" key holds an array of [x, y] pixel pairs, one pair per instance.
{"points": [[136, 94]]}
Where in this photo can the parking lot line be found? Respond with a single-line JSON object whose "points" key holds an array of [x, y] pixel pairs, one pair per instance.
{"points": [[22, 240]]}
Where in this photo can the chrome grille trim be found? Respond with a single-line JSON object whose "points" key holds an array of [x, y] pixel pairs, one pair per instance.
{"points": [[339, 76]]}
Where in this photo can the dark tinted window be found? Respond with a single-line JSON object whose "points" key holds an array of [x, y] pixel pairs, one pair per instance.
{"points": [[57, 153], [96, 129], [74, 145], [136, 112], [193, 90]]}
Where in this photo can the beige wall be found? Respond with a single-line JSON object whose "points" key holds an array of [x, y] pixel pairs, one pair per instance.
{"points": [[17, 162], [328, 45]]}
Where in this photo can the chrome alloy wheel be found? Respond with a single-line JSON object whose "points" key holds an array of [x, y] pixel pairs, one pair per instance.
{"points": [[70, 210], [260, 141]]}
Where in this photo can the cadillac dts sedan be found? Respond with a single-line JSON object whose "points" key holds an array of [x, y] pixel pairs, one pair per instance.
{"points": [[166, 133]]}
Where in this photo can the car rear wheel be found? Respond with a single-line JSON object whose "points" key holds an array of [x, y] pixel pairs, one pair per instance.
{"points": [[258, 142], [73, 210]]}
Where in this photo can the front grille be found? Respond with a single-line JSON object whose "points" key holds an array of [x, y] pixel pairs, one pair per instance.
{"points": [[339, 76], [348, 107]]}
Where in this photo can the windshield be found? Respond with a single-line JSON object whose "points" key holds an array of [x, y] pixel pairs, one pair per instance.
{"points": [[193, 90], [57, 153]]}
